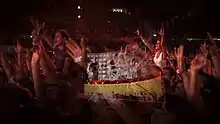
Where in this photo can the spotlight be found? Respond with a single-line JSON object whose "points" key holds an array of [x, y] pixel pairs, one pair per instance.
{"points": [[79, 16]]}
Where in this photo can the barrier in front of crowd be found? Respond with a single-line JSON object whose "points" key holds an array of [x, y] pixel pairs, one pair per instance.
{"points": [[147, 91]]}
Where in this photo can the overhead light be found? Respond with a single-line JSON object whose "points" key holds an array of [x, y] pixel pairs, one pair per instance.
{"points": [[117, 10], [79, 7], [155, 35], [196, 39], [79, 16], [216, 39]]}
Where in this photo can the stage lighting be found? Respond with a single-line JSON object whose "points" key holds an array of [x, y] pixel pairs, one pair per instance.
{"points": [[117, 10]]}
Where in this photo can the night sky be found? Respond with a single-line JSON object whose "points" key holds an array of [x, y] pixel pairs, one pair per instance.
{"points": [[15, 14]]}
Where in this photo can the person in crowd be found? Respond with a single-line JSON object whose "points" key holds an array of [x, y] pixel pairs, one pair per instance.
{"points": [[158, 51]]}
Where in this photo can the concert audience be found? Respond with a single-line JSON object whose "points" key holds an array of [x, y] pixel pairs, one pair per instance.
{"points": [[39, 88]]}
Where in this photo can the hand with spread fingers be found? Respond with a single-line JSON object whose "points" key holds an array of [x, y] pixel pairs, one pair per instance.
{"points": [[75, 51], [37, 29], [179, 53]]}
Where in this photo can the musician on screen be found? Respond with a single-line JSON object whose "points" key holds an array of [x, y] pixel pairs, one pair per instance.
{"points": [[158, 51]]}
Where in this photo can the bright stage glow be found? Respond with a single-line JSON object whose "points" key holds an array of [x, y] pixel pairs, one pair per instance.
{"points": [[117, 10]]}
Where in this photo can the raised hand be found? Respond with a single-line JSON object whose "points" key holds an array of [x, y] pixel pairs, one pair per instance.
{"points": [[214, 48], [37, 28], [198, 63], [179, 57], [75, 51], [161, 32], [204, 49], [179, 52]]}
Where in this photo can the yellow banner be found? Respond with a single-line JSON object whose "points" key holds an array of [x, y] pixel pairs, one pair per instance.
{"points": [[152, 86]]}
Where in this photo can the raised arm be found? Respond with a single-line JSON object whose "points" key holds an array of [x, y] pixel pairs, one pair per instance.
{"points": [[146, 42], [47, 64], [163, 47], [193, 90], [215, 55], [204, 50], [181, 66], [35, 68], [76, 52], [216, 60]]}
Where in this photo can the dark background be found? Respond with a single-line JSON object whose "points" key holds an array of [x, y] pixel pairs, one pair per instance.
{"points": [[191, 18]]}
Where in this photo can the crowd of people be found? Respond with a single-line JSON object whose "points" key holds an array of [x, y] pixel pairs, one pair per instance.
{"points": [[38, 86]]}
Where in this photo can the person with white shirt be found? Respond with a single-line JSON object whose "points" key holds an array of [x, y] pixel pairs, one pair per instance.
{"points": [[158, 51], [158, 59]]}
